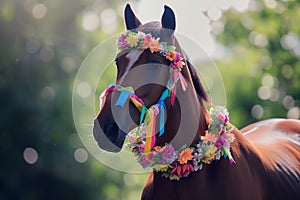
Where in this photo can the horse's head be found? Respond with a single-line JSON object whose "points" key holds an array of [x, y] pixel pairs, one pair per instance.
{"points": [[146, 72]]}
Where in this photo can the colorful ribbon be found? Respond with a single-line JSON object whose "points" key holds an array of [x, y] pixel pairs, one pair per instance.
{"points": [[151, 127], [162, 107], [103, 95], [148, 117], [124, 94], [175, 76]]}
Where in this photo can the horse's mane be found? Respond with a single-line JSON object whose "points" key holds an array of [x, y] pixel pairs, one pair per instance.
{"points": [[197, 83], [155, 28]]}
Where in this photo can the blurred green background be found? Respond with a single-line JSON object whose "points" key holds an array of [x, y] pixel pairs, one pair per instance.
{"points": [[42, 45]]}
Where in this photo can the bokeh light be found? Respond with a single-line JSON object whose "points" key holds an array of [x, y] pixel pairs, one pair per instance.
{"points": [[257, 111], [48, 93], [258, 39], [84, 89], [293, 113], [68, 64], [108, 21], [47, 54], [90, 20], [263, 92], [214, 13], [30, 155], [81, 155], [39, 11], [288, 102]]}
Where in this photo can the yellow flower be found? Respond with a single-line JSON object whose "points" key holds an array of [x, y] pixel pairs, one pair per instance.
{"points": [[185, 156], [211, 149], [160, 168], [132, 40], [208, 159], [154, 45]]}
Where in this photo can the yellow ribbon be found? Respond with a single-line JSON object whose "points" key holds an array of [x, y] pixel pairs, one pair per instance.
{"points": [[149, 131], [137, 104]]}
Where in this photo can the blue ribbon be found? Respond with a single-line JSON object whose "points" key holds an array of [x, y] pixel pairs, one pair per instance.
{"points": [[123, 98], [162, 119], [144, 109], [162, 108]]}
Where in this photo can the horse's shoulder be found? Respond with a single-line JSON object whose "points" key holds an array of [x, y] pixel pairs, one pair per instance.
{"points": [[273, 131], [277, 142]]}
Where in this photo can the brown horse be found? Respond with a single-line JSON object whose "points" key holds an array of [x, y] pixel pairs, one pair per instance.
{"points": [[267, 156]]}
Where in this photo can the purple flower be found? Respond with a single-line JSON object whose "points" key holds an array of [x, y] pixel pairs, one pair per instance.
{"points": [[222, 142], [143, 161], [169, 153], [176, 61], [122, 44], [141, 147]]}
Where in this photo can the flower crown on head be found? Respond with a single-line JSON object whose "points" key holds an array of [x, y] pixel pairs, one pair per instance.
{"points": [[140, 40]]}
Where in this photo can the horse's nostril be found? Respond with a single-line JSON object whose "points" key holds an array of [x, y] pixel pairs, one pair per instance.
{"points": [[110, 137]]}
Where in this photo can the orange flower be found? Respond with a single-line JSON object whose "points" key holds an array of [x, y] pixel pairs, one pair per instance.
{"points": [[185, 156], [171, 55], [209, 137], [154, 45], [159, 148], [180, 64], [145, 45]]}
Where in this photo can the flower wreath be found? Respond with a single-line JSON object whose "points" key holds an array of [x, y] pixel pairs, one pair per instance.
{"points": [[174, 164], [132, 40]]}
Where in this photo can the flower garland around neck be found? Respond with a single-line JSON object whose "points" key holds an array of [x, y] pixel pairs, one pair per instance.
{"points": [[132, 40], [175, 164]]}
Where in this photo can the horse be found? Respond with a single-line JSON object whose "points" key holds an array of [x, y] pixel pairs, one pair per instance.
{"points": [[266, 154]]}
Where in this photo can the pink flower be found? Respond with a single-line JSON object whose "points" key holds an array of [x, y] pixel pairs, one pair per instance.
{"points": [[141, 147], [149, 157], [148, 38], [221, 117], [121, 43]]}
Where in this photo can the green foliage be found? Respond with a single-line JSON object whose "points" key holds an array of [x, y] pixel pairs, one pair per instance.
{"points": [[265, 50]]}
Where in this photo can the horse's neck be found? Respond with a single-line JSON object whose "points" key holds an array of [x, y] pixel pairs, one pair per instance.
{"points": [[186, 119]]}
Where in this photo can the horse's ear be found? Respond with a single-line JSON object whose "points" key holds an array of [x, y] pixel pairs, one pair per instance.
{"points": [[168, 20], [131, 21]]}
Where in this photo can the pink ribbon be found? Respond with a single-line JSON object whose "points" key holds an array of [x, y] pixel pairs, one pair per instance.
{"points": [[104, 94]]}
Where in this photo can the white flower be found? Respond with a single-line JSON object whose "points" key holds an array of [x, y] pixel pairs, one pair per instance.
{"points": [[140, 35]]}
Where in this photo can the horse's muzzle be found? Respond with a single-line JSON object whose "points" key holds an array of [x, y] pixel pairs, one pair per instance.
{"points": [[110, 138]]}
